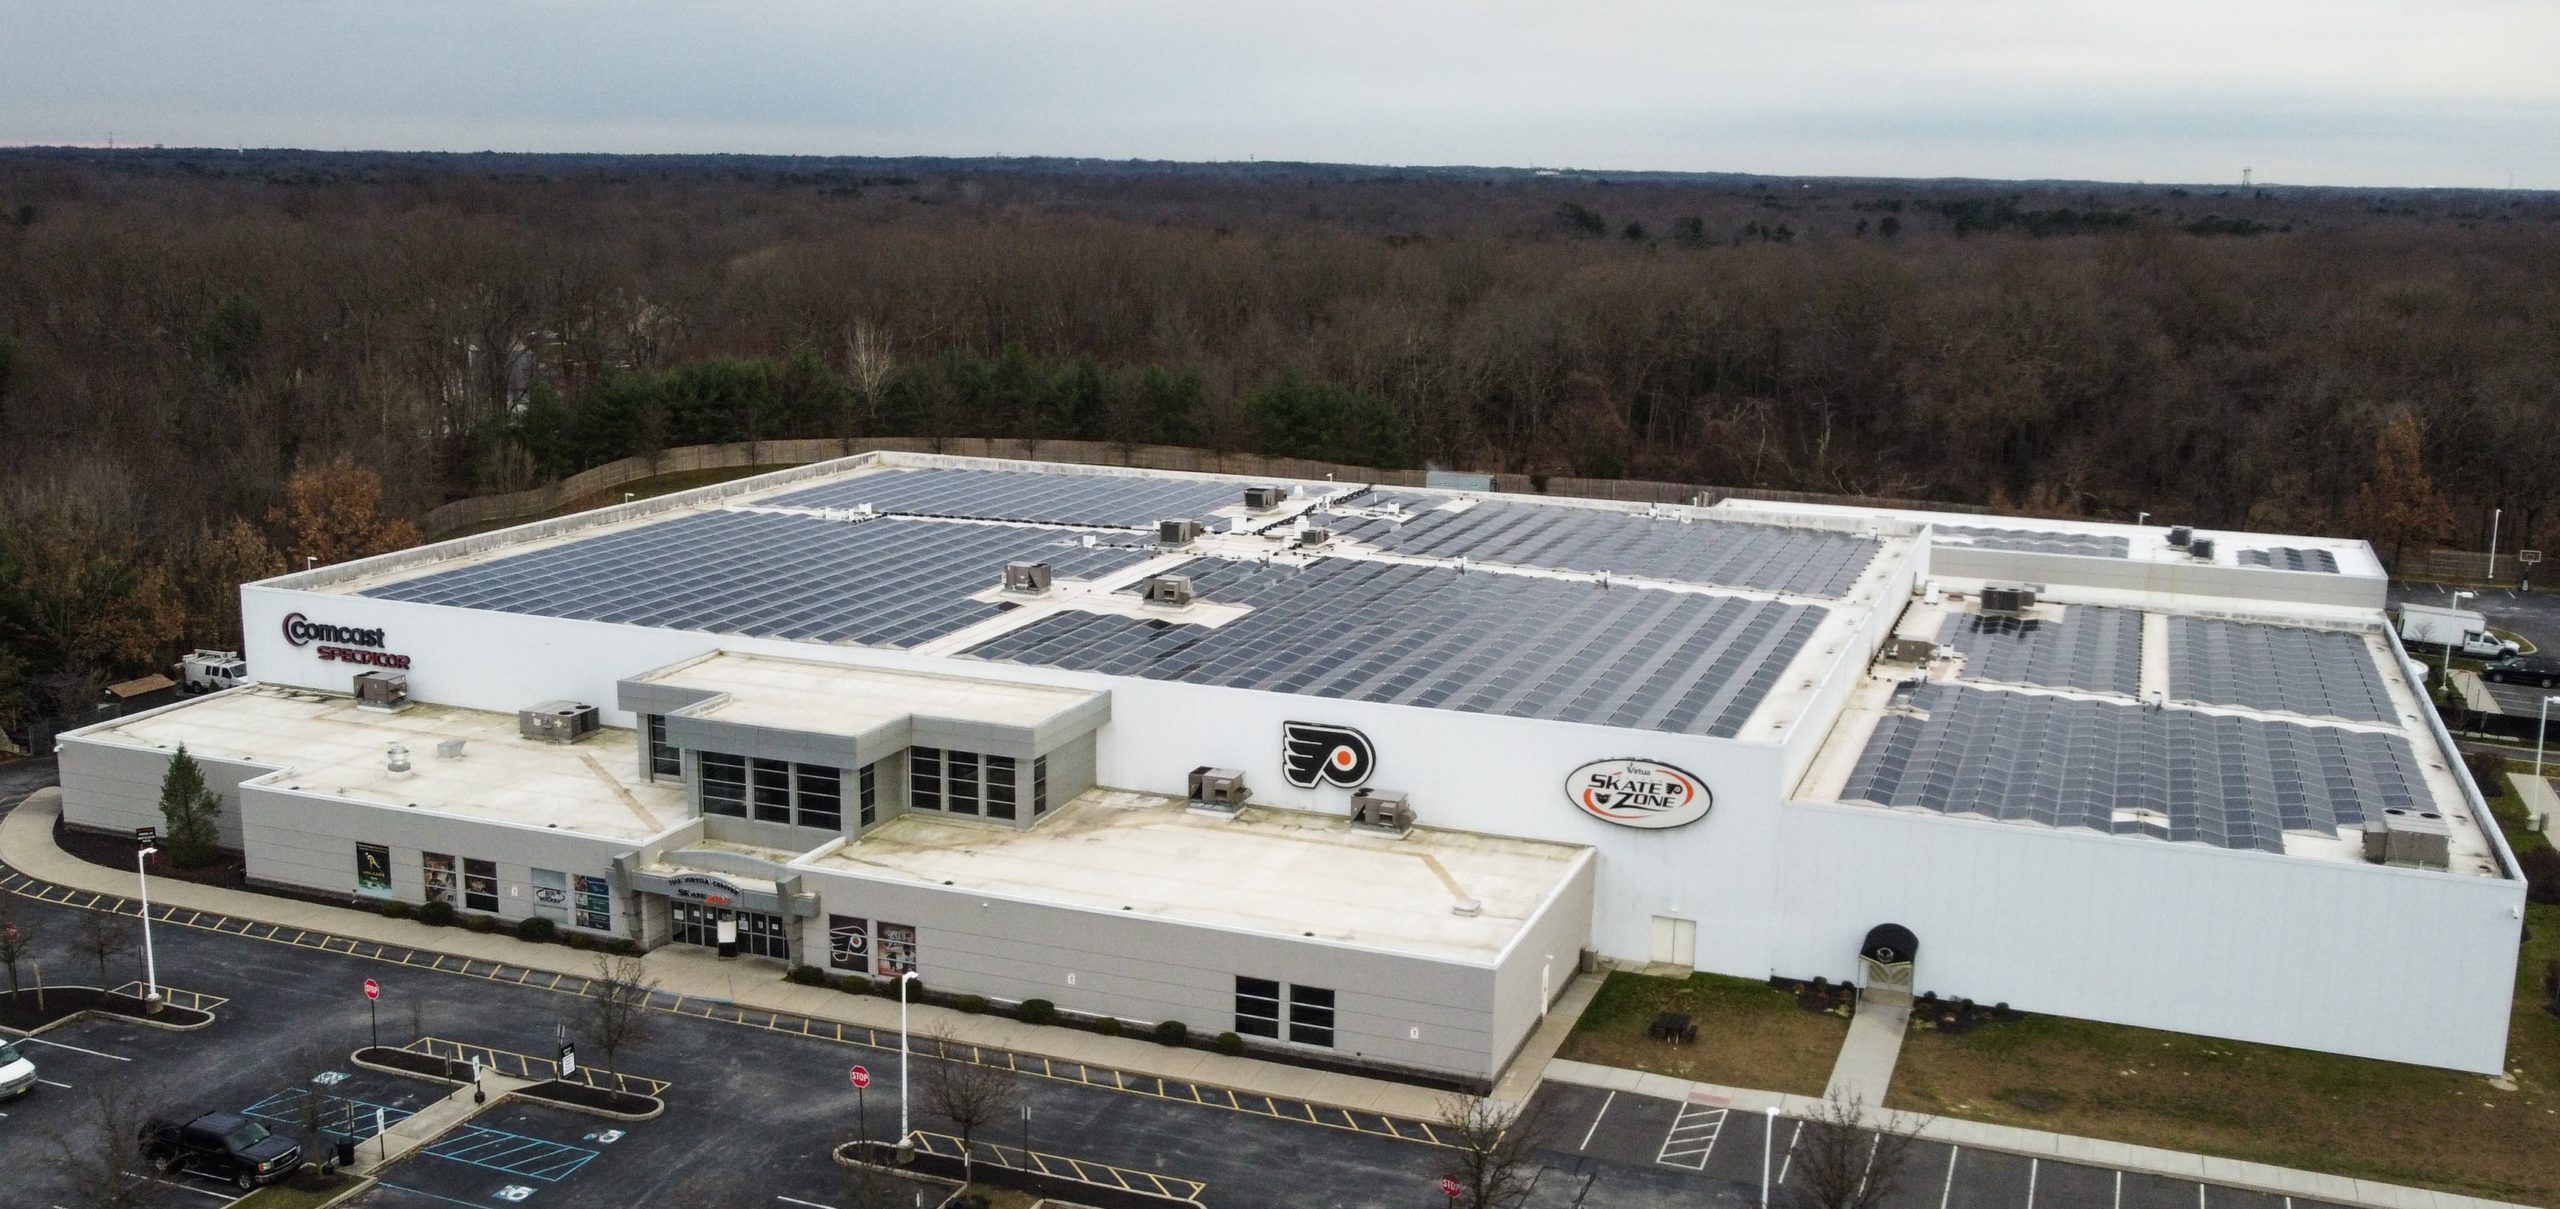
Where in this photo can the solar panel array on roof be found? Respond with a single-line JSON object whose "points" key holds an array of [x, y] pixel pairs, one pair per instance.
{"points": [[1049, 497], [2290, 558], [1485, 642], [2041, 541], [2286, 669], [1813, 562], [2090, 648], [888, 582], [2172, 774]]}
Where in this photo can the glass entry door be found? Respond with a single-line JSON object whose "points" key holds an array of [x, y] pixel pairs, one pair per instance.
{"points": [[759, 934]]}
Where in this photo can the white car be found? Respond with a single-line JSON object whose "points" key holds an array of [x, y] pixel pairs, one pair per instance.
{"points": [[17, 1075]]}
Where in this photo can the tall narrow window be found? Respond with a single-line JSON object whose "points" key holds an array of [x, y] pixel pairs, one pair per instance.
{"points": [[924, 778], [849, 943], [1000, 800], [595, 903], [439, 873], [773, 791], [373, 870], [1257, 1007], [960, 782], [821, 796], [870, 794], [897, 948], [664, 761], [724, 784], [1311, 1015], [1039, 786], [480, 885]]}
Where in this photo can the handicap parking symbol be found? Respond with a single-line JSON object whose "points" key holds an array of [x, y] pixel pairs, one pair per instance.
{"points": [[329, 1078], [605, 1137], [514, 1192]]}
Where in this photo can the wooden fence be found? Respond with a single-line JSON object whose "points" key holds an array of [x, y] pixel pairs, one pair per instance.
{"points": [[599, 485]]}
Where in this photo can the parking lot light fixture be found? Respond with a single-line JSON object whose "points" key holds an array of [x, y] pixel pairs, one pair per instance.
{"points": [[904, 1141], [1768, 1141], [150, 963]]}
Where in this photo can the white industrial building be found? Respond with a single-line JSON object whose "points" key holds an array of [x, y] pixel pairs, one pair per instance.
{"points": [[1371, 771]]}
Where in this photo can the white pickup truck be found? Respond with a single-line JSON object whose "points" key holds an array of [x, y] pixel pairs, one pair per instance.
{"points": [[2466, 632]]}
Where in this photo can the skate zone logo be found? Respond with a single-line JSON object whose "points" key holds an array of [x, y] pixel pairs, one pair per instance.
{"points": [[1638, 793]]}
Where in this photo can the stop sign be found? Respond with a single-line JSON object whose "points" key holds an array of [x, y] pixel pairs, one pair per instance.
{"points": [[861, 1077], [1449, 1186], [372, 989]]}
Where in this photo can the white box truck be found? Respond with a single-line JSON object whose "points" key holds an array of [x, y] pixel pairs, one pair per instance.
{"points": [[2461, 629]]}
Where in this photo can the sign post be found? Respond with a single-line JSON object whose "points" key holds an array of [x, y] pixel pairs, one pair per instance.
{"points": [[861, 1110], [373, 1008], [568, 1058]]}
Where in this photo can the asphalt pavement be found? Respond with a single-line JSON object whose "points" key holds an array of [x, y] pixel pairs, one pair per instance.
{"points": [[2534, 615]]}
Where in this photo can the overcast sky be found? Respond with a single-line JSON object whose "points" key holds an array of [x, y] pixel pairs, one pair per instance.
{"points": [[2380, 92]]}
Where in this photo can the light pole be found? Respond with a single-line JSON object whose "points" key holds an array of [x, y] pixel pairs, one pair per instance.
{"points": [[903, 1140], [150, 963], [2539, 731], [2446, 674], [1768, 1142]]}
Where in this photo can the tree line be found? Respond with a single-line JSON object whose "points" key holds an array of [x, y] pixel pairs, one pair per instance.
{"points": [[181, 333]]}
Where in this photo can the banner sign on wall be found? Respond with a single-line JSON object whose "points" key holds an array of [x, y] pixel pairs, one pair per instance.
{"points": [[1638, 793], [340, 643]]}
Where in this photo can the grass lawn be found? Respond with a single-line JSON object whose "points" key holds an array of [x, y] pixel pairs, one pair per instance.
{"points": [[2295, 1108], [1748, 1034], [302, 1190]]}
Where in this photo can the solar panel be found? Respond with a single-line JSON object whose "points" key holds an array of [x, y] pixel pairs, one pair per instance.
{"points": [[1049, 497], [2290, 558], [1812, 562], [1681, 662], [886, 582], [2281, 669], [2040, 541], [2173, 774], [2096, 649]]}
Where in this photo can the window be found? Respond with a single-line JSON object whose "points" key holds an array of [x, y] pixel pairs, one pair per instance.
{"points": [[1039, 786], [1000, 787], [724, 784], [821, 796], [1257, 1007], [595, 903], [439, 869], [480, 885], [870, 795], [897, 948], [773, 791], [924, 778], [1311, 1016], [960, 782], [664, 761], [551, 895], [373, 870], [849, 943]]}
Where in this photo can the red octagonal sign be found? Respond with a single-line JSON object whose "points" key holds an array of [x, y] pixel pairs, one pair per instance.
{"points": [[1449, 1185], [372, 989], [861, 1077]]}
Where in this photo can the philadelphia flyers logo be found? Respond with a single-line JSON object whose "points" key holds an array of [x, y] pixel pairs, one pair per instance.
{"points": [[1312, 752]]}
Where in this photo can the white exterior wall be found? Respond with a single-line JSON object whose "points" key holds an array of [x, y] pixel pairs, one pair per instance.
{"points": [[2403, 964], [113, 784]]}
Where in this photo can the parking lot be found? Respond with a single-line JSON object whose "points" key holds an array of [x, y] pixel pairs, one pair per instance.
{"points": [[1721, 1149]]}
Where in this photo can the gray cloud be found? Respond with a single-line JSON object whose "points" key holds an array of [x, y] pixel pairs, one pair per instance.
{"points": [[2459, 92]]}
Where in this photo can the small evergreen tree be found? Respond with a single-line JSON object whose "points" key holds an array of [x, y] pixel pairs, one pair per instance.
{"points": [[191, 838]]}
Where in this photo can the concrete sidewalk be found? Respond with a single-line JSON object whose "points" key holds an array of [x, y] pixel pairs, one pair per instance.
{"points": [[26, 845], [2281, 1181], [429, 1123], [1864, 1070]]}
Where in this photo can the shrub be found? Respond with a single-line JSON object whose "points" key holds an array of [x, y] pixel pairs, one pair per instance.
{"points": [[1230, 1044], [581, 941], [436, 915], [1108, 1026], [2487, 769], [394, 908], [480, 923], [537, 929], [850, 984], [621, 946], [1172, 1032], [1036, 1011], [807, 976], [972, 1004], [888, 988]]}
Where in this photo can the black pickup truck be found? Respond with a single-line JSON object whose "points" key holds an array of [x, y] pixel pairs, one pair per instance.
{"points": [[222, 1145]]}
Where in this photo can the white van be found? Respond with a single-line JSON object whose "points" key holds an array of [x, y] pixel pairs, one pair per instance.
{"points": [[17, 1075]]}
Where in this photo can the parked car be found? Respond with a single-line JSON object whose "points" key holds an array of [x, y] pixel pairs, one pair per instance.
{"points": [[17, 1075], [223, 1145], [2524, 669]]}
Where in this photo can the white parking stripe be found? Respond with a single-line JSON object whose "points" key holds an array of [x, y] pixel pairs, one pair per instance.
{"points": [[2031, 1184], [1594, 1131], [1791, 1152], [1950, 1189], [2119, 1190], [76, 1049], [1692, 1136], [51, 1083], [797, 1201]]}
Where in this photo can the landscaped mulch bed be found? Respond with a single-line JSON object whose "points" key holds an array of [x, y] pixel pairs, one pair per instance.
{"points": [[416, 1064], [578, 1095], [29, 1009]]}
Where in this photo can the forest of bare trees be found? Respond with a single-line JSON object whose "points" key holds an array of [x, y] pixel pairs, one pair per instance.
{"points": [[181, 332]]}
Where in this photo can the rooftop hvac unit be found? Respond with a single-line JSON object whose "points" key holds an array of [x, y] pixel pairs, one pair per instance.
{"points": [[1217, 789], [1309, 538], [558, 721], [2201, 547], [2008, 601], [2180, 535], [382, 690], [2412, 837], [1381, 810], [1031, 578], [1179, 532], [1264, 499], [1173, 590]]}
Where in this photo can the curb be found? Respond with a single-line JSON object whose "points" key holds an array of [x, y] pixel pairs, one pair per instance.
{"points": [[85, 1013], [521, 1094]]}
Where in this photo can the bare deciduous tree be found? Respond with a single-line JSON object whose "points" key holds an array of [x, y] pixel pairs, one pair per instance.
{"points": [[969, 1094], [1492, 1147], [93, 1150], [1843, 1160], [103, 936], [617, 1007]]}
